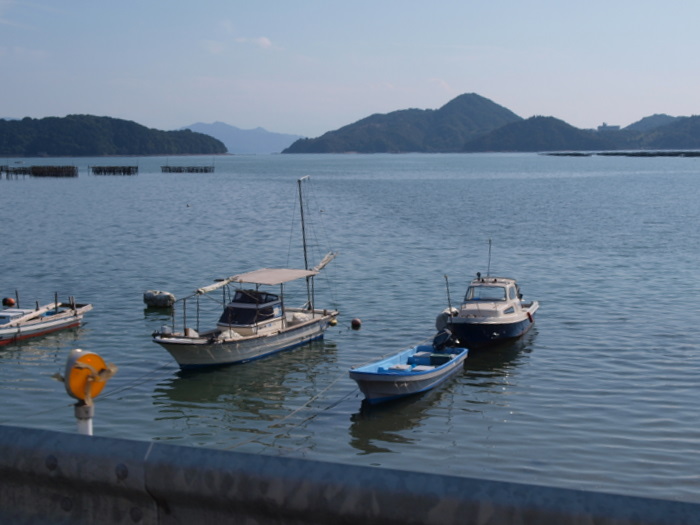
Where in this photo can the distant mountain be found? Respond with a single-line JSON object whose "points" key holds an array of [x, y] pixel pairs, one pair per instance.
{"points": [[649, 123], [246, 141], [414, 130], [684, 133], [539, 134], [472, 123], [90, 136]]}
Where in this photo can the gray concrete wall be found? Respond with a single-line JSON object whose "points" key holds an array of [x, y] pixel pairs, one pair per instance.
{"points": [[51, 477]]}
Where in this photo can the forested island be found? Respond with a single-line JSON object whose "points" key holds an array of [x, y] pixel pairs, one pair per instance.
{"points": [[472, 123], [467, 124], [91, 136]]}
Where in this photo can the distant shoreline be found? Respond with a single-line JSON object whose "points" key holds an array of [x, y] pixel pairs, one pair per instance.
{"points": [[688, 153]]}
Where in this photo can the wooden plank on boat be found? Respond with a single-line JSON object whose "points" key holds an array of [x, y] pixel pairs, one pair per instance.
{"points": [[33, 314]]}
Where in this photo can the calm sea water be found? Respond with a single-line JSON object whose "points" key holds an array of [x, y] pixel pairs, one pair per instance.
{"points": [[602, 394]]}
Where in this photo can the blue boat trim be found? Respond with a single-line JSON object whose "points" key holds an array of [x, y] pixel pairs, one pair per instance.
{"points": [[409, 372]]}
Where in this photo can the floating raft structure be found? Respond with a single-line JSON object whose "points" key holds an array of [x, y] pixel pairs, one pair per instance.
{"points": [[13, 173], [41, 171], [114, 170], [54, 171], [642, 153], [187, 169]]}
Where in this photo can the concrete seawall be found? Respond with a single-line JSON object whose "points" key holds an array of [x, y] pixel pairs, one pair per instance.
{"points": [[52, 477]]}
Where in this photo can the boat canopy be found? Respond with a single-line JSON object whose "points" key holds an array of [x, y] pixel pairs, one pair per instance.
{"points": [[266, 276], [272, 276]]}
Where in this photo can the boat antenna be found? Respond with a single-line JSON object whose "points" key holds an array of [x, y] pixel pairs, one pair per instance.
{"points": [[447, 285], [303, 229], [488, 268], [303, 240]]}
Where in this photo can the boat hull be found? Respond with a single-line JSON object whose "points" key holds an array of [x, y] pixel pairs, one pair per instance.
{"points": [[476, 333], [43, 326], [202, 352], [380, 384]]}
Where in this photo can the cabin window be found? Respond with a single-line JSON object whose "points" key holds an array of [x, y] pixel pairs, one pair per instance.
{"points": [[511, 292], [486, 293]]}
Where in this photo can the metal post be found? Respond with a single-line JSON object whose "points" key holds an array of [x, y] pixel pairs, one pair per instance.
{"points": [[83, 414]]}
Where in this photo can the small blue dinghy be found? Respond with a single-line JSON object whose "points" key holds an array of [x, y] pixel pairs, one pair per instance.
{"points": [[410, 371]]}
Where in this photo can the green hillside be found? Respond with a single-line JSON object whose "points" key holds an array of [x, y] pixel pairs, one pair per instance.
{"points": [[424, 130], [87, 135], [539, 134], [471, 123]]}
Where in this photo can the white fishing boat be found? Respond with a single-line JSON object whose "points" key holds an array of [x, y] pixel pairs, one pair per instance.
{"points": [[408, 372], [493, 311], [17, 324], [255, 323]]}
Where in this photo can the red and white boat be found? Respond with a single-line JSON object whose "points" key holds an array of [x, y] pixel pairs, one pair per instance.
{"points": [[17, 323]]}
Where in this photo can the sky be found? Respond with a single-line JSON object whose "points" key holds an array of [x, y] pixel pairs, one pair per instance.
{"points": [[306, 67]]}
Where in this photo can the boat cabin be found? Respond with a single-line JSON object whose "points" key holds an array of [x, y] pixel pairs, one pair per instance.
{"points": [[492, 289], [251, 310], [500, 290]]}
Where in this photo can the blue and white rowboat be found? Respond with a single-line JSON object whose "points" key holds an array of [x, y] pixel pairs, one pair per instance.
{"points": [[408, 372]]}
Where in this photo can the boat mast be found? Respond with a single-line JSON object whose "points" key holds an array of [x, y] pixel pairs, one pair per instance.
{"points": [[488, 268], [303, 229], [449, 300], [303, 239]]}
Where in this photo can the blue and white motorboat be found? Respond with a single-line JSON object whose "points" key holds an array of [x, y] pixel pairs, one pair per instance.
{"points": [[493, 311], [412, 371]]}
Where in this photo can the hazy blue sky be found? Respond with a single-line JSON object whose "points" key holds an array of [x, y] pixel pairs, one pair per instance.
{"points": [[311, 66]]}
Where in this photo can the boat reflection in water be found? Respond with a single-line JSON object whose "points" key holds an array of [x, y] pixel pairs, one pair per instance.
{"points": [[233, 404], [499, 360], [27, 351], [393, 423]]}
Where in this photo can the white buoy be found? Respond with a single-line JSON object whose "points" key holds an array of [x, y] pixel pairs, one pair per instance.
{"points": [[158, 299]]}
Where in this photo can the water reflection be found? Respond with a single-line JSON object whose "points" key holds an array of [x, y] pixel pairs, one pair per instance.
{"points": [[249, 395], [39, 348], [498, 360], [391, 422]]}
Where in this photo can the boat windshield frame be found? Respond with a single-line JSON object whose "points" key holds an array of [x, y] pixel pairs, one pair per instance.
{"points": [[250, 307], [486, 292]]}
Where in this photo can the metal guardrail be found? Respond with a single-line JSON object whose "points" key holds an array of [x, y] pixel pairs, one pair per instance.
{"points": [[52, 477]]}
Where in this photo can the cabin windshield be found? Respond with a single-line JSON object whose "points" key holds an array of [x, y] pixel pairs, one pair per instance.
{"points": [[485, 293], [250, 307]]}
